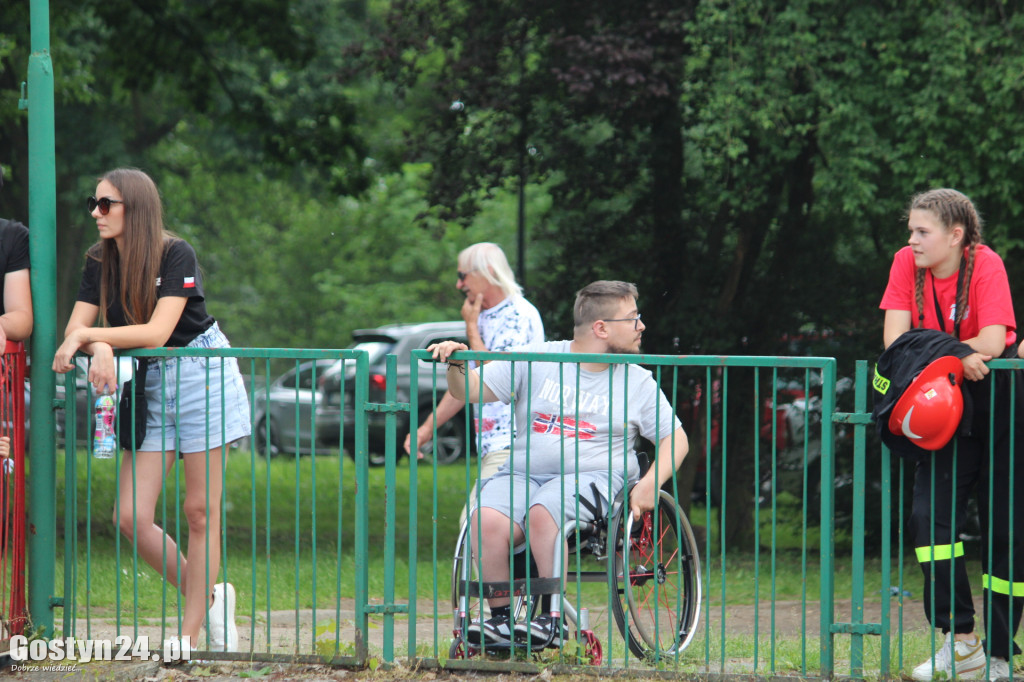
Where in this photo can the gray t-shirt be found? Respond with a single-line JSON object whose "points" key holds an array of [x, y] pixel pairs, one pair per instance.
{"points": [[554, 414]]}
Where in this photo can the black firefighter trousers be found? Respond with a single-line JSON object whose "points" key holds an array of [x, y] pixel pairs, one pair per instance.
{"points": [[948, 479]]}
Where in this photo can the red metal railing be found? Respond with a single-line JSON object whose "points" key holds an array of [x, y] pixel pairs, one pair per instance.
{"points": [[13, 617]]}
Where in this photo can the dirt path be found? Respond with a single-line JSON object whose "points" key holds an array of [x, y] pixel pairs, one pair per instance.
{"points": [[296, 633], [304, 632]]}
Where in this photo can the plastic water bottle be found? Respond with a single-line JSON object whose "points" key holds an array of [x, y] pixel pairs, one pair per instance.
{"points": [[104, 440]]}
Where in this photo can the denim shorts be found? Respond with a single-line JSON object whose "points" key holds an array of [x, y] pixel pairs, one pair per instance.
{"points": [[195, 404]]}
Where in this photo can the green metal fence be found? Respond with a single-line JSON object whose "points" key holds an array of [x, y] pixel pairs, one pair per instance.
{"points": [[797, 515], [737, 394], [295, 527]]}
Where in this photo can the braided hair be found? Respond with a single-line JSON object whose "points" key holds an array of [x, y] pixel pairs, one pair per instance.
{"points": [[951, 208]]}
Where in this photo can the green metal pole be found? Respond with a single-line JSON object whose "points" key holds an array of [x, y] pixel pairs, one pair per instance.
{"points": [[390, 499], [42, 215], [828, 406], [362, 590], [859, 531]]}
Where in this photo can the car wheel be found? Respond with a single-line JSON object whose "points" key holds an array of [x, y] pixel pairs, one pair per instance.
{"points": [[375, 457], [451, 441], [259, 436]]}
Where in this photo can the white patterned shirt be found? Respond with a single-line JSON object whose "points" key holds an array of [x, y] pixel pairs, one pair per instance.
{"points": [[511, 324]]}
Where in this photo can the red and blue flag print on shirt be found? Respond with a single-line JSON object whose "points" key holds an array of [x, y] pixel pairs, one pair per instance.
{"points": [[567, 427]]}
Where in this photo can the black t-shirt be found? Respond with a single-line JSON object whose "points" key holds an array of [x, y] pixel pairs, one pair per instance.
{"points": [[179, 276], [13, 251]]}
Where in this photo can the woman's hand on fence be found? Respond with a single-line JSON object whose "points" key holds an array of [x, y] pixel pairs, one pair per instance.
{"points": [[64, 359], [103, 372], [975, 368]]}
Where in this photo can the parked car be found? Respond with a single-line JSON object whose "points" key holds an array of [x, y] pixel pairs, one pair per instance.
{"points": [[337, 410], [279, 426]]}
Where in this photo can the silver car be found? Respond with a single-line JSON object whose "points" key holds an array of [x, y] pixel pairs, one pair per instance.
{"points": [[284, 410], [337, 388]]}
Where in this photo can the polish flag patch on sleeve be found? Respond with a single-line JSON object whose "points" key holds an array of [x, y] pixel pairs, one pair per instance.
{"points": [[190, 283]]}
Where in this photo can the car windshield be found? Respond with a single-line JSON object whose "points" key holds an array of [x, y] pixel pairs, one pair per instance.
{"points": [[375, 349]]}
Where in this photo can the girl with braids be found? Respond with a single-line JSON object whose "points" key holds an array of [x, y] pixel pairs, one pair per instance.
{"points": [[144, 285], [946, 279]]}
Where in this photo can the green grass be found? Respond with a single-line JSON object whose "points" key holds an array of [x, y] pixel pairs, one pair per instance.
{"points": [[274, 525], [273, 528], [289, 502]]}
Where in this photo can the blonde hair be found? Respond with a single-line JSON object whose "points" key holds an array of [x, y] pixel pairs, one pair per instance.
{"points": [[489, 260]]}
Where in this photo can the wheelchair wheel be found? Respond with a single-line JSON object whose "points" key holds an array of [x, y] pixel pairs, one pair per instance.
{"points": [[522, 607], [658, 579]]}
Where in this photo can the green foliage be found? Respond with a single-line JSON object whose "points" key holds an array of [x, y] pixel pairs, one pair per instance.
{"points": [[327, 643], [324, 267], [260, 80], [745, 162], [256, 673]]}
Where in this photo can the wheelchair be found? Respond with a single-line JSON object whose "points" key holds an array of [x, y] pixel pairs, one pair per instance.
{"points": [[653, 574]]}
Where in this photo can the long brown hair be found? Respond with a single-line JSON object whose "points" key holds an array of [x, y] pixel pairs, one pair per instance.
{"points": [[134, 270], [951, 208]]}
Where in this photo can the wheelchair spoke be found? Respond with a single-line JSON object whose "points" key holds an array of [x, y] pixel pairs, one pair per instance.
{"points": [[661, 593]]}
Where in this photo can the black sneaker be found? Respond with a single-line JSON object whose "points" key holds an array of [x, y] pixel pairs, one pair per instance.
{"points": [[542, 631], [494, 630]]}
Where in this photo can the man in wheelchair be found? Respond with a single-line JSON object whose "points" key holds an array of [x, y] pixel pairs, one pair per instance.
{"points": [[580, 416]]}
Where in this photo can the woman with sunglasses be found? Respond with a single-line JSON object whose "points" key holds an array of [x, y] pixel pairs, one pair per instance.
{"points": [[144, 286]]}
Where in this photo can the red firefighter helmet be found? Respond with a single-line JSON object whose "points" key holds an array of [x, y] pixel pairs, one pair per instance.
{"points": [[928, 413]]}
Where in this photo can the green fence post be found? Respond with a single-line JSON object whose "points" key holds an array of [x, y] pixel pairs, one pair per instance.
{"points": [[70, 506], [42, 528], [857, 559], [886, 531], [828, 406], [414, 506], [361, 512], [391, 372]]}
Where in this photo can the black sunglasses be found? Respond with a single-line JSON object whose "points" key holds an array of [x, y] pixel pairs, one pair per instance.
{"points": [[462, 275], [103, 203]]}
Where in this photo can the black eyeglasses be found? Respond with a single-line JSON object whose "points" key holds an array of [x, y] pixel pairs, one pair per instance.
{"points": [[634, 320], [103, 203], [462, 275]]}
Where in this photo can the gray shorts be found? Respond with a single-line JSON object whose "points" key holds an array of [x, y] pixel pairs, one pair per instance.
{"points": [[549, 491], [195, 403]]}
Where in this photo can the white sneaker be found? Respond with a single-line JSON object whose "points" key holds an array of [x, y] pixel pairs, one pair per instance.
{"points": [[969, 659], [998, 669], [221, 625]]}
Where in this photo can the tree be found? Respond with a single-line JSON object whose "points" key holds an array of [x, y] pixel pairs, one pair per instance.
{"points": [[258, 81], [746, 163]]}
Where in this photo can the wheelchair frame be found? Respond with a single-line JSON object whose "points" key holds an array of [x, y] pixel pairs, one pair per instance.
{"points": [[662, 560]]}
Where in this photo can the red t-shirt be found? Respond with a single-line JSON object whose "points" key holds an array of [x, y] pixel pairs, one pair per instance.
{"points": [[988, 299]]}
